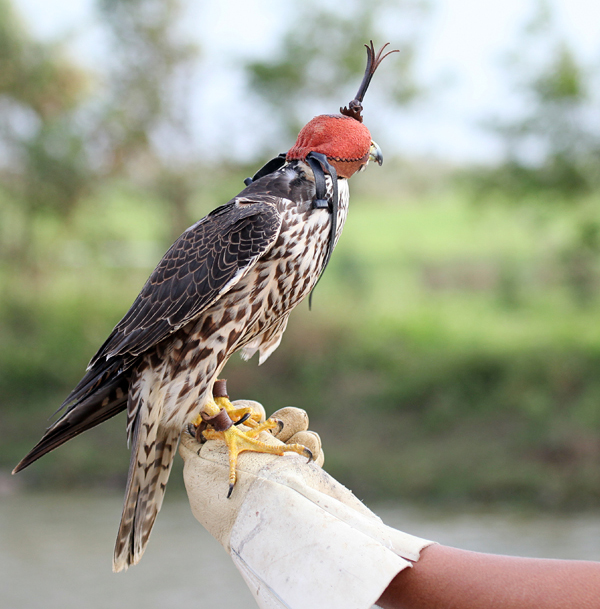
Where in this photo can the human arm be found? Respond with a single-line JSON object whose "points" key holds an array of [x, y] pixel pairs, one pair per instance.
{"points": [[446, 577], [408, 573]]}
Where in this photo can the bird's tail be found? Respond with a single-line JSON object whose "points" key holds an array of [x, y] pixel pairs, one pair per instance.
{"points": [[100, 395], [152, 456]]}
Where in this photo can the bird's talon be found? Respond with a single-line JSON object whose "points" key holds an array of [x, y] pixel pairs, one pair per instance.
{"points": [[274, 426], [243, 419], [308, 453], [199, 434], [231, 485]]}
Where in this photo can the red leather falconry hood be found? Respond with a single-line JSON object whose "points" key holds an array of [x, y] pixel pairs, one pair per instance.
{"points": [[343, 140]]}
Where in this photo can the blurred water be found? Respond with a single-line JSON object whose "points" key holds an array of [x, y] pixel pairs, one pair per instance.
{"points": [[55, 551]]}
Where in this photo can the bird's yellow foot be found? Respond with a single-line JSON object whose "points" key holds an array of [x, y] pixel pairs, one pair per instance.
{"points": [[223, 417], [238, 441], [211, 413]]}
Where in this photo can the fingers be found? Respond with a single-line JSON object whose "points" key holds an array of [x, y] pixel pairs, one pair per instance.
{"points": [[256, 406], [293, 419], [294, 430], [188, 446], [312, 441]]}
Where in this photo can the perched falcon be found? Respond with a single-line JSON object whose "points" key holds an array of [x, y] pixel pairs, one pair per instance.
{"points": [[227, 284]]}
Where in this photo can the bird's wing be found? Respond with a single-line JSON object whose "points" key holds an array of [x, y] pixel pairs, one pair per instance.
{"points": [[205, 262]]}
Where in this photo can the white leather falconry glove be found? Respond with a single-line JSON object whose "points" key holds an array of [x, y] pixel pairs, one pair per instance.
{"points": [[299, 538]]}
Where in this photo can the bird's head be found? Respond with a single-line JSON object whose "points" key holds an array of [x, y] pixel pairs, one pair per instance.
{"points": [[343, 138], [345, 142]]}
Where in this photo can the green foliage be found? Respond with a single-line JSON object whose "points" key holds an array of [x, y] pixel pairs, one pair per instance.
{"points": [[554, 146], [146, 118], [46, 165], [62, 136], [36, 75], [412, 352], [563, 80], [148, 70]]}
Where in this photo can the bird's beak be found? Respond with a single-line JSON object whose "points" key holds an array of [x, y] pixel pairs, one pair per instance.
{"points": [[375, 154]]}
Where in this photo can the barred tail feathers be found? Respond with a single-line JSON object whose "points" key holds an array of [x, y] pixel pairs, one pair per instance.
{"points": [[152, 456]]}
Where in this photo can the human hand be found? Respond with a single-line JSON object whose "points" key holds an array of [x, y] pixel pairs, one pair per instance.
{"points": [[299, 537]]}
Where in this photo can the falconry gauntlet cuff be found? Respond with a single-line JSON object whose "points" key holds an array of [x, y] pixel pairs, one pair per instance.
{"points": [[298, 537]]}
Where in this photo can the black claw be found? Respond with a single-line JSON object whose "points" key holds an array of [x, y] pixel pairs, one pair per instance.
{"points": [[198, 433], [230, 490], [310, 455], [280, 426], [243, 419]]}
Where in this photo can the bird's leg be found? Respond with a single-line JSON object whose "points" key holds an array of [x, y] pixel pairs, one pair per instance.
{"points": [[217, 415], [245, 415], [220, 401]]}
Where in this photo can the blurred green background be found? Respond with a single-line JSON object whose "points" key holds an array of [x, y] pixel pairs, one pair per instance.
{"points": [[453, 351]]}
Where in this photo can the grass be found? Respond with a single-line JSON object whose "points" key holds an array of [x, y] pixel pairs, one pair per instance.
{"points": [[443, 271]]}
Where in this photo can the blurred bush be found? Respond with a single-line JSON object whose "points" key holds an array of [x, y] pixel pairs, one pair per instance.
{"points": [[299, 75], [552, 149]]}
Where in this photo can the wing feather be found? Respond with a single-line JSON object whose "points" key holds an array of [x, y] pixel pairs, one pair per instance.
{"points": [[207, 260]]}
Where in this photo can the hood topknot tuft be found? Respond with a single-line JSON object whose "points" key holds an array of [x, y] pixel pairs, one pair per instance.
{"points": [[342, 138], [355, 106]]}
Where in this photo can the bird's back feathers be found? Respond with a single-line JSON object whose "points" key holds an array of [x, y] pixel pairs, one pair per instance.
{"points": [[199, 266]]}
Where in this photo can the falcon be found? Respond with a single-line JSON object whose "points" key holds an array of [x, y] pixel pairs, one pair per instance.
{"points": [[227, 284]]}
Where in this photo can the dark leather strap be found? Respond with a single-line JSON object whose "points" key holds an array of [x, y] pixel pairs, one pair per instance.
{"points": [[219, 422], [270, 167], [320, 165], [320, 201]]}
